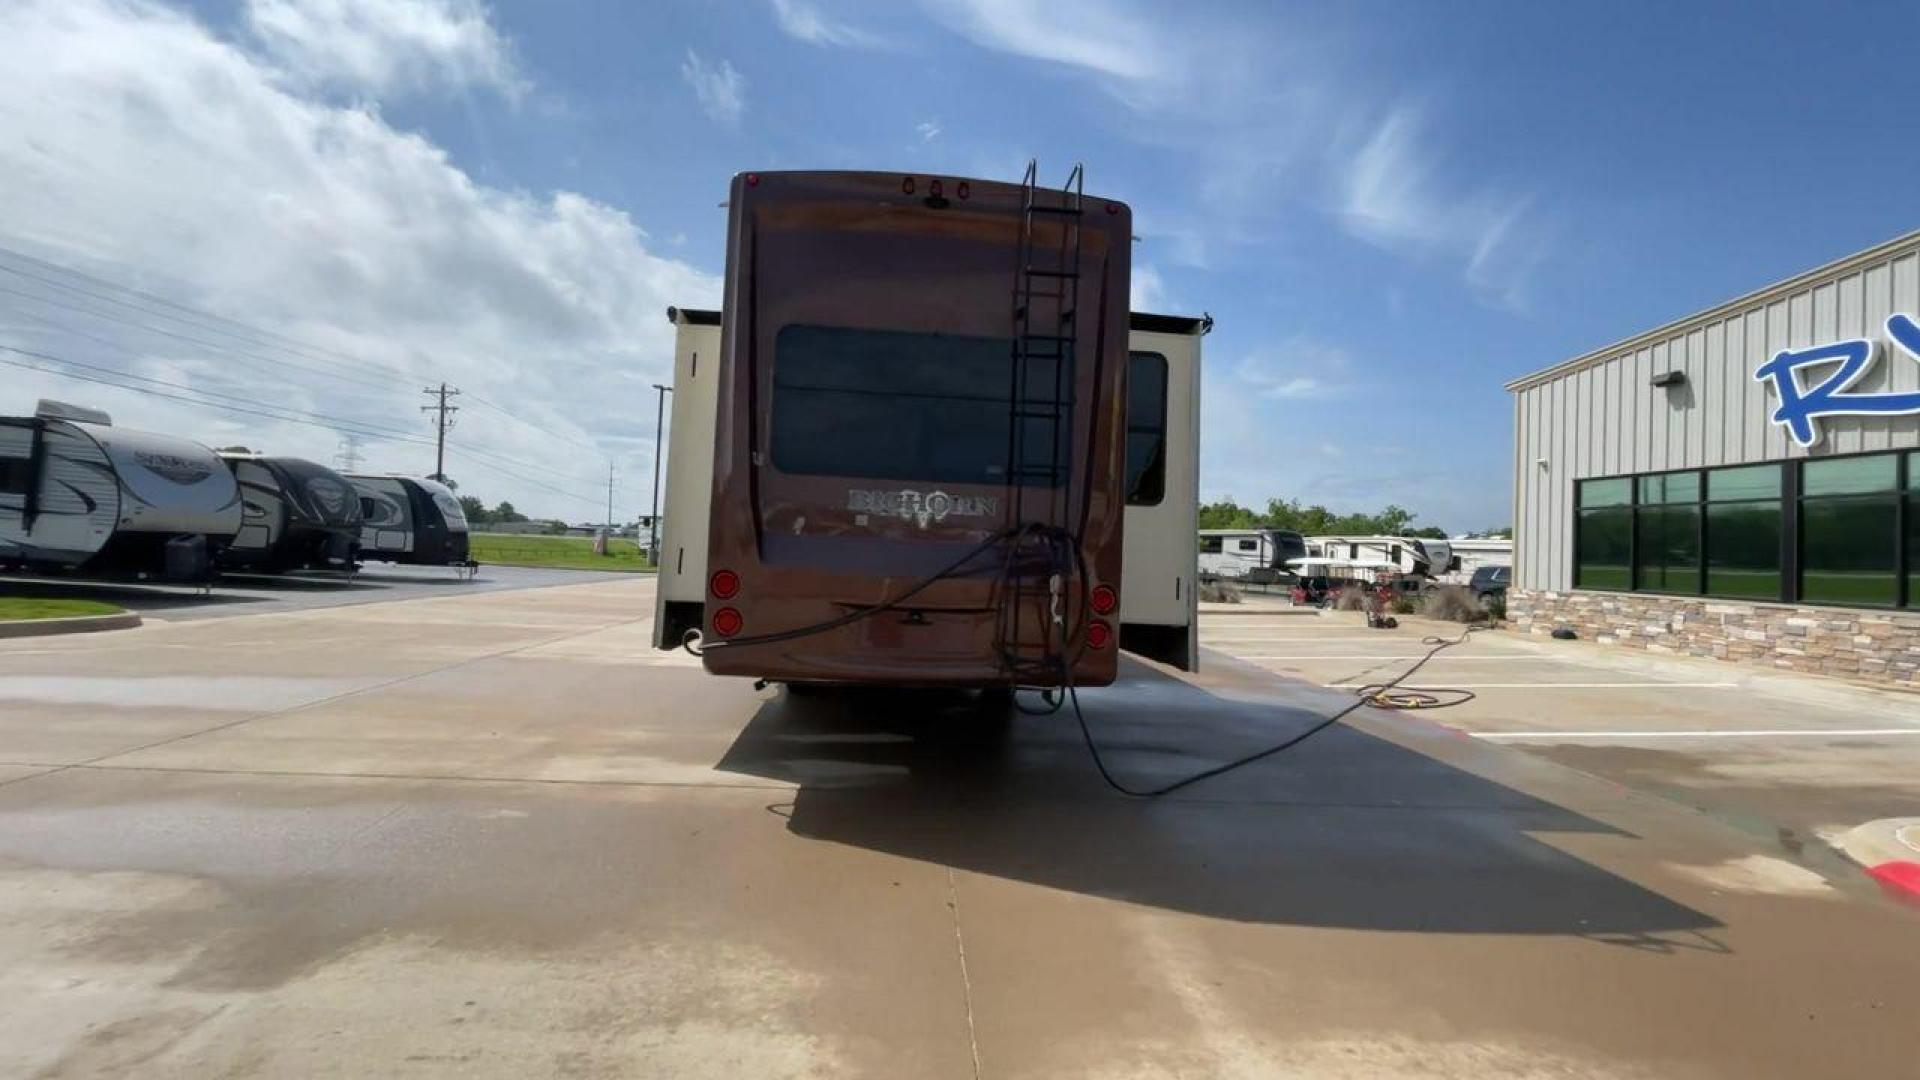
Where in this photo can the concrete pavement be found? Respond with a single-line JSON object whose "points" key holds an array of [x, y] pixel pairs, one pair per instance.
{"points": [[490, 834]]}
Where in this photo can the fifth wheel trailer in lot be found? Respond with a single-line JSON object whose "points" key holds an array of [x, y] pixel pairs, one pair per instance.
{"points": [[297, 516], [77, 493], [1157, 597], [411, 520], [1259, 556]]}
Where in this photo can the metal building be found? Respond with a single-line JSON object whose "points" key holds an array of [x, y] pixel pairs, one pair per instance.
{"points": [[1740, 483]]}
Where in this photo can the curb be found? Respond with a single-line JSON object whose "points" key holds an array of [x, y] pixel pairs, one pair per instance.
{"points": [[1889, 851], [1257, 609], [77, 624]]}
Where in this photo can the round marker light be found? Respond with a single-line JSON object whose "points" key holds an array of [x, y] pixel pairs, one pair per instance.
{"points": [[1104, 600], [906, 184], [1099, 634], [963, 189], [1113, 208], [725, 584], [727, 622], [753, 179]]}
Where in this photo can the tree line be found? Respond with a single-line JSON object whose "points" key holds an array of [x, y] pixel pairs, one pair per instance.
{"points": [[1317, 520]]}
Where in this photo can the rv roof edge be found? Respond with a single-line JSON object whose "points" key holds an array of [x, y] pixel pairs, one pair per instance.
{"points": [[50, 409], [1143, 321]]}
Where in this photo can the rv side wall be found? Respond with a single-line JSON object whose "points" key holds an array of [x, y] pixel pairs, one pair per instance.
{"points": [[1157, 565], [682, 579]]}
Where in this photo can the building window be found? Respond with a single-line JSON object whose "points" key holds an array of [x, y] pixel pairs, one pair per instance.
{"points": [[1667, 533], [1743, 532], [1913, 529], [1146, 428], [1603, 535], [1849, 530], [1853, 538]]}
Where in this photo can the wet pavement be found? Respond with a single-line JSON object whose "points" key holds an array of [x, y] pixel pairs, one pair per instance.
{"points": [[491, 834], [256, 594]]}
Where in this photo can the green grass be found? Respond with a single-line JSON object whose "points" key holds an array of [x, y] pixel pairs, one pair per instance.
{"points": [[18, 608], [558, 552]]}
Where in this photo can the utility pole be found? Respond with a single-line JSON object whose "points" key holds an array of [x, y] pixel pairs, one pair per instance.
{"points": [[349, 454], [609, 497], [653, 515], [442, 423]]}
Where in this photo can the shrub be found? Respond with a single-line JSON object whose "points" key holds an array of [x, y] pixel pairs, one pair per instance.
{"points": [[1219, 592], [1351, 598], [1452, 603], [1497, 606], [1404, 605]]}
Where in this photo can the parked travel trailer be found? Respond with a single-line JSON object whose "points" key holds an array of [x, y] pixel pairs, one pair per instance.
{"points": [[411, 520], [1408, 555], [1259, 556], [1157, 595], [77, 493], [296, 516], [808, 429]]}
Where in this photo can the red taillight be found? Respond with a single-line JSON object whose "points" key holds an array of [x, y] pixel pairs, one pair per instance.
{"points": [[727, 622], [725, 584], [1113, 208], [906, 184], [1099, 635], [1104, 600], [963, 189], [753, 179]]}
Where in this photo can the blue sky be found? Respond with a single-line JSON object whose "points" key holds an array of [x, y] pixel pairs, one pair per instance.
{"points": [[1389, 209]]}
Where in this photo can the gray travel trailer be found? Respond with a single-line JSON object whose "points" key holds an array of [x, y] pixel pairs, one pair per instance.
{"points": [[296, 516], [78, 494], [411, 520]]}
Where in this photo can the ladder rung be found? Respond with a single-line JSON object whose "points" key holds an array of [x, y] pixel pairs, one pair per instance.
{"points": [[1067, 338], [1061, 274], [1064, 211]]}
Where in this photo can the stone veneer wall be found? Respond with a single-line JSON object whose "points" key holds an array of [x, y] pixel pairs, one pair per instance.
{"points": [[1879, 646]]}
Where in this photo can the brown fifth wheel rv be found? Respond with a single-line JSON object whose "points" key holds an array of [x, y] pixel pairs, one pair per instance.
{"points": [[921, 403]]}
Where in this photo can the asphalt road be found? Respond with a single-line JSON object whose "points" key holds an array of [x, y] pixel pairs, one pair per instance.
{"points": [[254, 594], [491, 834]]}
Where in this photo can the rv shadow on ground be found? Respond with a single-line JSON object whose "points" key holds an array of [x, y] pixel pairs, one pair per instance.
{"points": [[132, 595], [1349, 830]]}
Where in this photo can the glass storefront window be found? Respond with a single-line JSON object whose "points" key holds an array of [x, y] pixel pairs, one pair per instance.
{"points": [[1849, 476], [1615, 492], [1745, 482], [1606, 548], [1682, 487], [1849, 551], [1667, 552]]}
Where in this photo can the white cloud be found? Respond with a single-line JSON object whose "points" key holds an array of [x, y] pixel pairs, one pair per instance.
{"points": [[1295, 368], [1096, 35], [721, 90], [929, 130], [379, 47], [149, 152], [1149, 291], [1390, 197], [803, 21]]}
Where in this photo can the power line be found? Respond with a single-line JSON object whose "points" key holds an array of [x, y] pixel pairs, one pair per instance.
{"points": [[365, 427], [200, 320], [343, 427], [253, 334]]}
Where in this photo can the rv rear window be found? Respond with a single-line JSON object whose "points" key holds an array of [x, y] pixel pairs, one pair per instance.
{"points": [[904, 406]]}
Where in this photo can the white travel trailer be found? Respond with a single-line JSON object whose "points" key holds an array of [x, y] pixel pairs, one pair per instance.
{"points": [[1405, 555], [411, 520], [1157, 595], [1259, 556], [78, 493]]}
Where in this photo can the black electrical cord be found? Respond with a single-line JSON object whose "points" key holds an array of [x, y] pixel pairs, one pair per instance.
{"points": [[1378, 695]]}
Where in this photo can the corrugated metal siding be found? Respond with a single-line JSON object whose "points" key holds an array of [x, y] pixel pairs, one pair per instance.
{"points": [[1603, 419]]}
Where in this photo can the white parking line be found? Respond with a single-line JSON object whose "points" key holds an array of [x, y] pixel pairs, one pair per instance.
{"points": [[1750, 733], [1351, 685], [1410, 656]]}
